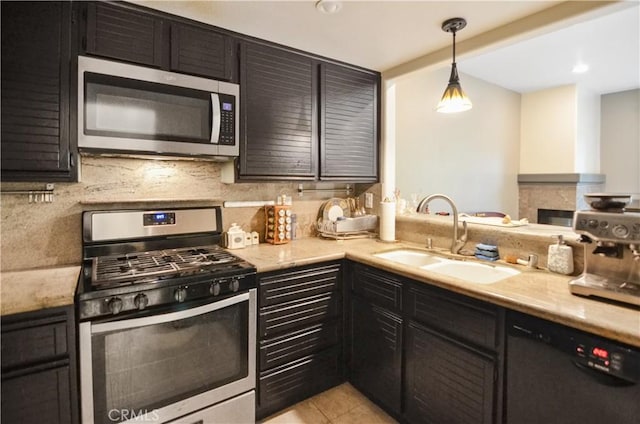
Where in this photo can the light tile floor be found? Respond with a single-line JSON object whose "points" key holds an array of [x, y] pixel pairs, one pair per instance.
{"points": [[340, 405]]}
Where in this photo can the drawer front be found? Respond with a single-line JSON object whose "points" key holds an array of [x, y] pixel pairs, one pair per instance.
{"points": [[378, 287], [43, 396], [295, 345], [277, 319], [291, 383], [299, 284], [466, 319], [31, 341]]}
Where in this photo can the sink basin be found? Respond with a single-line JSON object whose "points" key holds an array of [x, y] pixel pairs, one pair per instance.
{"points": [[409, 257], [471, 271]]}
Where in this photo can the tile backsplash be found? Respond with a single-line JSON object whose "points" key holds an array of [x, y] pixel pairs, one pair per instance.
{"points": [[38, 235]]}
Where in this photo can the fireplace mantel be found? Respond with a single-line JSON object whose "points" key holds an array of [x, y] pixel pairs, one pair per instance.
{"points": [[555, 191]]}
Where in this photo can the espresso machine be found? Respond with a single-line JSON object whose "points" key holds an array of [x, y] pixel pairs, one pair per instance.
{"points": [[611, 238]]}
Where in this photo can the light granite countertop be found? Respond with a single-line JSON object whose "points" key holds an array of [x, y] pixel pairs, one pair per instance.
{"points": [[31, 290], [535, 292]]}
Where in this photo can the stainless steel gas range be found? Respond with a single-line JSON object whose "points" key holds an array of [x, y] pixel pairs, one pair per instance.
{"points": [[167, 320]]}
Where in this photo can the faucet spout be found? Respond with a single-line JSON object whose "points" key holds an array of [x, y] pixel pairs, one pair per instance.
{"points": [[456, 243]]}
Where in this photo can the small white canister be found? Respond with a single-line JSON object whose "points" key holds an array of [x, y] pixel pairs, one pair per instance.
{"points": [[234, 237]]}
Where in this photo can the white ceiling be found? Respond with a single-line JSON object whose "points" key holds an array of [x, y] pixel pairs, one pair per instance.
{"points": [[609, 45], [384, 34]]}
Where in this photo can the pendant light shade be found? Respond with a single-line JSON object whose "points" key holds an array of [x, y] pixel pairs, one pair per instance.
{"points": [[454, 100]]}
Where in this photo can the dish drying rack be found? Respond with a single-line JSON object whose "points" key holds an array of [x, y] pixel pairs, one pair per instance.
{"points": [[340, 219]]}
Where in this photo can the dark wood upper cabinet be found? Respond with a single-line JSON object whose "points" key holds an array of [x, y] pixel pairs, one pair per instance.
{"points": [[120, 33], [201, 52], [348, 123], [36, 68], [306, 119], [131, 34], [279, 133]]}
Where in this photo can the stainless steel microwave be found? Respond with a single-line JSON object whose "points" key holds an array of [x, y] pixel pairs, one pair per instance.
{"points": [[128, 109]]}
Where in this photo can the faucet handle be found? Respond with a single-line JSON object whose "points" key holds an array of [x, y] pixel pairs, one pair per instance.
{"points": [[464, 235]]}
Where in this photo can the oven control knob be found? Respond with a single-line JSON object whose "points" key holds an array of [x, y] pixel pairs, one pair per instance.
{"points": [[141, 301], [115, 305], [214, 289], [234, 285], [180, 294]]}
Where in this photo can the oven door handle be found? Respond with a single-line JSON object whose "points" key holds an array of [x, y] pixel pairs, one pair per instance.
{"points": [[170, 317]]}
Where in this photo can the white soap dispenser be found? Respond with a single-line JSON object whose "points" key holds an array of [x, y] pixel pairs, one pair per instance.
{"points": [[560, 257]]}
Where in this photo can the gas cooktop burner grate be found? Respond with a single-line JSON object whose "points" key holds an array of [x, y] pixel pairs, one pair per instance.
{"points": [[119, 269]]}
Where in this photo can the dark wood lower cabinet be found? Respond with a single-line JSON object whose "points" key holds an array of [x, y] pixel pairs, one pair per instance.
{"points": [[447, 382], [376, 353], [300, 329], [287, 384], [39, 367], [39, 396]]}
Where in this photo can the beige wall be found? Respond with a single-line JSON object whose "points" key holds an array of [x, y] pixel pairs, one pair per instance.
{"points": [[588, 132], [560, 131], [470, 156], [548, 131], [620, 141], [49, 234]]}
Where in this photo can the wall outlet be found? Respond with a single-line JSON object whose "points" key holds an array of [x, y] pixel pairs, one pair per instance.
{"points": [[368, 200]]}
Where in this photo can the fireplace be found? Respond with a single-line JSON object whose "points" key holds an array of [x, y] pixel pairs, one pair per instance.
{"points": [[555, 217], [557, 194]]}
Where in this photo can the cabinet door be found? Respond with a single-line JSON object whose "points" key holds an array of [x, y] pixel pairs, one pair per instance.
{"points": [[379, 287], [122, 33], [278, 114], [199, 51], [376, 353], [349, 124], [38, 397], [447, 382], [36, 54]]}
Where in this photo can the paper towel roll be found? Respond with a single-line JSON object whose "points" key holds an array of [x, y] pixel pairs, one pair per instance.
{"points": [[387, 221]]}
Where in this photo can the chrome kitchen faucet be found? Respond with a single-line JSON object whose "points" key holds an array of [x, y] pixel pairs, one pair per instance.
{"points": [[456, 244]]}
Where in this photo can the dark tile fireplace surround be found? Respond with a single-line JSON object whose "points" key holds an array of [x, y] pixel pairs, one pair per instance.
{"points": [[552, 198]]}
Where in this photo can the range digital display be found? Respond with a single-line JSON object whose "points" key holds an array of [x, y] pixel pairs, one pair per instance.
{"points": [[159, 218]]}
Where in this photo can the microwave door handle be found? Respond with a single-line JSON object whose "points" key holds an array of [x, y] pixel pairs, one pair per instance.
{"points": [[215, 118]]}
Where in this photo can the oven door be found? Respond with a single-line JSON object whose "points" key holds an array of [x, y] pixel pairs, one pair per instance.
{"points": [[162, 367]]}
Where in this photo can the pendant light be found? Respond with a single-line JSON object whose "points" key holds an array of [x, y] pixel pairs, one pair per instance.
{"points": [[454, 100]]}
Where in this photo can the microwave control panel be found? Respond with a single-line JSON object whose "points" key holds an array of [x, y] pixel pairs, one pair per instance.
{"points": [[227, 119]]}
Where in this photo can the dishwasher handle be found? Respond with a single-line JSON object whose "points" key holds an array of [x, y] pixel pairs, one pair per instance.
{"points": [[603, 378]]}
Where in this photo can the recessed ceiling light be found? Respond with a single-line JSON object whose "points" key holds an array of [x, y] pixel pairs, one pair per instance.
{"points": [[580, 68], [329, 6]]}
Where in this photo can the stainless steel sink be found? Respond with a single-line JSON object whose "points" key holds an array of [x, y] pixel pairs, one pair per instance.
{"points": [[409, 257], [469, 271], [472, 271]]}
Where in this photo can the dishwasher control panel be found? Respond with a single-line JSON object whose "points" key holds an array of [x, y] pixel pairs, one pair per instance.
{"points": [[589, 352], [606, 357]]}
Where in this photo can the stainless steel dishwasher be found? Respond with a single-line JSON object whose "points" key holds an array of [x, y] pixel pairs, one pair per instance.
{"points": [[556, 374]]}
